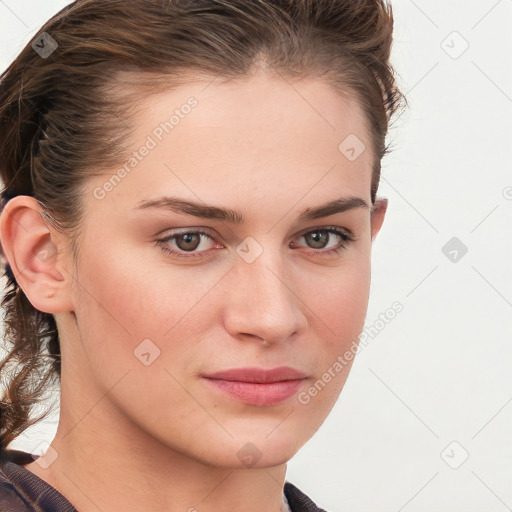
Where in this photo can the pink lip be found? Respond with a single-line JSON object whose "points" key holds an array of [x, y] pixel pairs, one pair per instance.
{"points": [[257, 386]]}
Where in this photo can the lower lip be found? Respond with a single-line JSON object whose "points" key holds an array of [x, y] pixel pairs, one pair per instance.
{"points": [[254, 393]]}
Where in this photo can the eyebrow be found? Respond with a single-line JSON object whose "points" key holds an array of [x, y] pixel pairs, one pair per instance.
{"points": [[179, 205]]}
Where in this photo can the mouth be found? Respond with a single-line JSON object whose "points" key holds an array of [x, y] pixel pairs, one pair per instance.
{"points": [[257, 386]]}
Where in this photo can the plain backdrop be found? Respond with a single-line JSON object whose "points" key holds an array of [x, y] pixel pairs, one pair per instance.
{"points": [[424, 422]]}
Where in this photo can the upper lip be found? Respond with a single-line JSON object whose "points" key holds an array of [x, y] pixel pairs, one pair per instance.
{"points": [[258, 375]]}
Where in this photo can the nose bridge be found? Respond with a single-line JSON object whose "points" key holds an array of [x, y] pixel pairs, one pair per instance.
{"points": [[262, 303], [266, 282]]}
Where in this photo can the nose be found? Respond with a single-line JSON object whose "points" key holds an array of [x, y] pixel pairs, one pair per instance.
{"points": [[260, 302]]}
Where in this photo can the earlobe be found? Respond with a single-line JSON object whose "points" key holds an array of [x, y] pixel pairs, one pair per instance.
{"points": [[377, 215], [32, 254]]}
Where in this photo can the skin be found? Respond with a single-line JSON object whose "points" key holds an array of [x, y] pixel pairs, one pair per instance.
{"points": [[253, 145]]}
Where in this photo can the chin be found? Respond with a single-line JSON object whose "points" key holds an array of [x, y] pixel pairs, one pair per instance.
{"points": [[268, 450], [250, 452]]}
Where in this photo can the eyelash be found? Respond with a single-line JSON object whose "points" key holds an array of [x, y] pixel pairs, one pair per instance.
{"points": [[346, 238]]}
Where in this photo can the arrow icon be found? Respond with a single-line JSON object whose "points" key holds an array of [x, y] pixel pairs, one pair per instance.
{"points": [[146, 352], [454, 45], [249, 249], [351, 147], [44, 45], [455, 455], [454, 249], [249, 454]]}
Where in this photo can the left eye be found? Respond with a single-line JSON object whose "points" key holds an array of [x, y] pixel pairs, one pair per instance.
{"points": [[322, 236], [189, 241]]}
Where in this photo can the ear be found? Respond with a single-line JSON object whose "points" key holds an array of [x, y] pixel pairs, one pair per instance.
{"points": [[378, 213], [31, 246]]}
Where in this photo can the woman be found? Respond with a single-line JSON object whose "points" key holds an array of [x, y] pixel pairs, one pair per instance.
{"points": [[189, 203]]}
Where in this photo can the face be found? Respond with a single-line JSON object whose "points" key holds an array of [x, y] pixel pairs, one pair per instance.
{"points": [[191, 307]]}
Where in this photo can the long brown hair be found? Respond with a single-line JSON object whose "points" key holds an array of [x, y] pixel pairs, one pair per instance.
{"points": [[66, 102]]}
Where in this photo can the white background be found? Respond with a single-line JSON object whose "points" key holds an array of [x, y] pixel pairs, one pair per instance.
{"points": [[440, 371]]}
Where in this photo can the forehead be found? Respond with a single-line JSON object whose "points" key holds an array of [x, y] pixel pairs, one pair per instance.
{"points": [[261, 137]]}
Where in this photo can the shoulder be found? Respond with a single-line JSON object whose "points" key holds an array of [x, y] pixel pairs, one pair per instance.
{"points": [[11, 497], [23, 491], [298, 501]]}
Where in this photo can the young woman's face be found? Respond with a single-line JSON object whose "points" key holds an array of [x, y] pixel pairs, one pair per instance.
{"points": [[169, 295]]}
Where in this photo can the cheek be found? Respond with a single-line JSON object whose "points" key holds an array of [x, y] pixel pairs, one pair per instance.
{"points": [[340, 301], [124, 302], [340, 307]]}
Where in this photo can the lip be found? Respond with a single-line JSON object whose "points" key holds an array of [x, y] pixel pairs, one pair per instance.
{"points": [[258, 386], [258, 375]]}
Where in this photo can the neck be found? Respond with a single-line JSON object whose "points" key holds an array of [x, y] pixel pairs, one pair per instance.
{"points": [[100, 468]]}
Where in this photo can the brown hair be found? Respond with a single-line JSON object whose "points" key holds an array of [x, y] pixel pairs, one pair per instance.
{"points": [[64, 114]]}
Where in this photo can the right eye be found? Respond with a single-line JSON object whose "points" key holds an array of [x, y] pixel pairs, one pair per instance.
{"points": [[185, 243]]}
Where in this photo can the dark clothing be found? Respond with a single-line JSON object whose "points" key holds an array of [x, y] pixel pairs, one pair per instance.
{"points": [[23, 491]]}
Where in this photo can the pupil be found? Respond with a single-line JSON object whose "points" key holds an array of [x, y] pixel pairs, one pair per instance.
{"points": [[317, 238], [188, 238]]}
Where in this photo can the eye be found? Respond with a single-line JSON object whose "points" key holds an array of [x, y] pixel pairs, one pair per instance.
{"points": [[186, 243], [323, 242]]}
